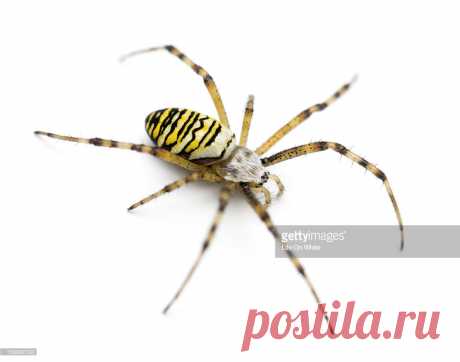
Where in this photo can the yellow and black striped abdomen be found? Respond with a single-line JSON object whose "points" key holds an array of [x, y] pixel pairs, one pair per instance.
{"points": [[190, 134]]}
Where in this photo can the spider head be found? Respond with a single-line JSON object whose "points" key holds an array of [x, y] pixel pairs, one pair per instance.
{"points": [[264, 178], [243, 165]]}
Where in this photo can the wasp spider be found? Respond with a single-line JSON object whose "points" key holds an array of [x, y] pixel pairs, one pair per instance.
{"points": [[208, 149]]}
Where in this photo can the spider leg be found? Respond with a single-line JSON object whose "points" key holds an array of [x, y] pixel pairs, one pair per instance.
{"points": [[208, 81], [247, 120], [302, 116], [195, 176], [266, 219], [224, 197], [155, 151], [322, 146]]}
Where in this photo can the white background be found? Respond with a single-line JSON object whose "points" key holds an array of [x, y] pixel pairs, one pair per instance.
{"points": [[80, 278]]}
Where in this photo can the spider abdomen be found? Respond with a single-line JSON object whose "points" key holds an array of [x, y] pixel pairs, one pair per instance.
{"points": [[192, 135]]}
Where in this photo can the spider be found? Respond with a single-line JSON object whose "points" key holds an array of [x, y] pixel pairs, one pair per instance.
{"points": [[207, 148]]}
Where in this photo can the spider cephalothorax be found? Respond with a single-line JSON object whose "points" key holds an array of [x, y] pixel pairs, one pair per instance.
{"points": [[208, 149], [243, 165]]}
